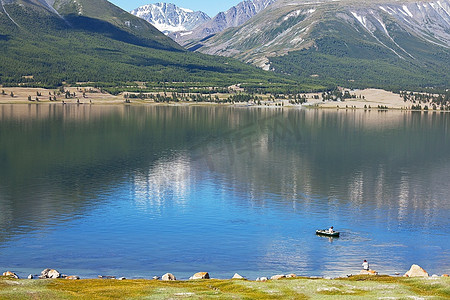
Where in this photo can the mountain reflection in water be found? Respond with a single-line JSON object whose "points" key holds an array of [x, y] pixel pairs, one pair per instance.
{"points": [[140, 191]]}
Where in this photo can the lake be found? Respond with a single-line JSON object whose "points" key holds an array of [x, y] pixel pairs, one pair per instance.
{"points": [[138, 191]]}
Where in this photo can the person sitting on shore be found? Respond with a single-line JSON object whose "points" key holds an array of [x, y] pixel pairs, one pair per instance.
{"points": [[331, 230], [365, 265]]}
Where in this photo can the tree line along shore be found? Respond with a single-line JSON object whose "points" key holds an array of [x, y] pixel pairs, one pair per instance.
{"points": [[368, 99]]}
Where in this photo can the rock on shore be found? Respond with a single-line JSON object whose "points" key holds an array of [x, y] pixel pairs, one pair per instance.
{"points": [[168, 277], [368, 272], [50, 273], [263, 279], [200, 275], [11, 274], [416, 271]]}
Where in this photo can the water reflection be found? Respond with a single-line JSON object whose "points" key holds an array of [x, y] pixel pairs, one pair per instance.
{"points": [[166, 180], [224, 189]]}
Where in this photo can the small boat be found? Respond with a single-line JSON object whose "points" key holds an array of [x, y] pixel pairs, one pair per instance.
{"points": [[325, 232]]}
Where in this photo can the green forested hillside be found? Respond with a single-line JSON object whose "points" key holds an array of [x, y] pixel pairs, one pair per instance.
{"points": [[40, 48]]}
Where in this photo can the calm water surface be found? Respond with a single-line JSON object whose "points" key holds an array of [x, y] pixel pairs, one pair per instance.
{"points": [[141, 191]]}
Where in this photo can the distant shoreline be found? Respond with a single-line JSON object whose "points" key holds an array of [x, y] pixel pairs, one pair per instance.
{"points": [[367, 99]]}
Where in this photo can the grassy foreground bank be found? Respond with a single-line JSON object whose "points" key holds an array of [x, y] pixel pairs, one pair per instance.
{"points": [[356, 287]]}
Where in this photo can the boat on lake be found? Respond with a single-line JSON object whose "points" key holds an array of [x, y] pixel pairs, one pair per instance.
{"points": [[326, 232]]}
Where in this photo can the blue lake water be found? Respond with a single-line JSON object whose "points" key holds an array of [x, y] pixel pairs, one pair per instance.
{"points": [[141, 191]]}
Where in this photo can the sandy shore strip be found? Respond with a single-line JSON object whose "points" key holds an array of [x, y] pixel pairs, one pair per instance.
{"points": [[365, 99]]}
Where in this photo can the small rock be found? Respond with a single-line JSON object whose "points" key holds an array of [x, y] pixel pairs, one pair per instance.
{"points": [[328, 278], [168, 277], [73, 277], [263, 279], [121, 278], [416, 271], [155, 277], [277, 277], [434, 276], [237, 276], [292, 275], [444, 275], [30, 276], [368, 272], [11, 274], [200, 275]]}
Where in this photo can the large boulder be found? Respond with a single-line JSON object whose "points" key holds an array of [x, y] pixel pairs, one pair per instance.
{"points": [[276, 277], [50, 273], [416, 271], [200, 275], [237, 276], [11, 274], [292, 275], [168, 277]]}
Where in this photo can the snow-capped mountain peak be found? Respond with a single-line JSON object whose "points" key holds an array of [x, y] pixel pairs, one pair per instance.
{"points": [[233, 17], [168, 17]]}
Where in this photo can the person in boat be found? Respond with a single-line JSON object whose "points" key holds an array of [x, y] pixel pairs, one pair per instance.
{"points": [[365, 265], [331, 230]]}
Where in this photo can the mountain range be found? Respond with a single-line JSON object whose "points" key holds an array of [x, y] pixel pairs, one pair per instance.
{"points": [[401, 44], [169, 18], [45, 43], [381, 43], [233, 17], [186, 26]]}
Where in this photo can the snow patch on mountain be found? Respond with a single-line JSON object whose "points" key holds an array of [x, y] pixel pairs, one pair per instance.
{"points": [[169, 18], [234, 17]]}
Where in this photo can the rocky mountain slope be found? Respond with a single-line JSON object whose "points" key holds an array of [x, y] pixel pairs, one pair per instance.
{"points": [[408, 35], [235, 16], [168, 17]]}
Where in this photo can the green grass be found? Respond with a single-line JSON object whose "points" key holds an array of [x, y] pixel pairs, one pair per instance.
{"points": [[297, 288]]}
